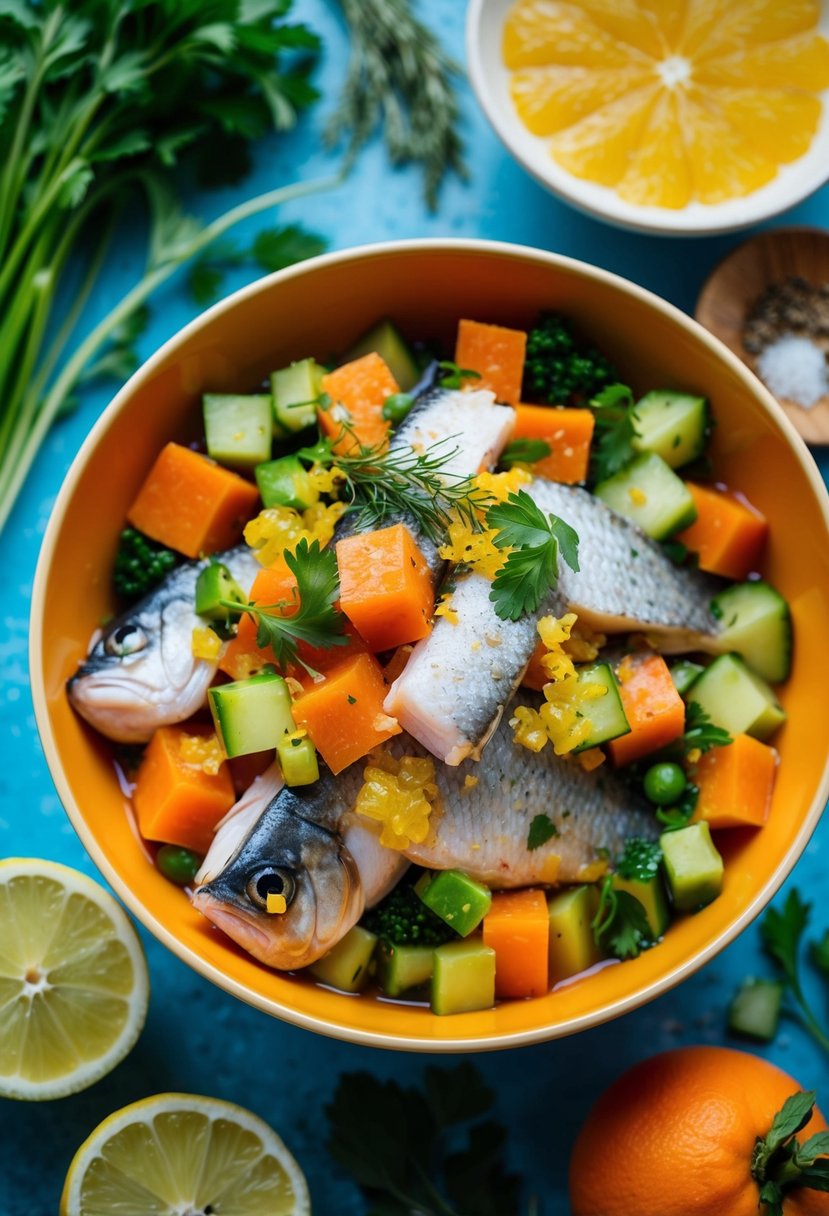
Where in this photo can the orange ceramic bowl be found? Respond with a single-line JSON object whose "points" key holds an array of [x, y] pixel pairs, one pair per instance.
{"points": [[426, 286]]}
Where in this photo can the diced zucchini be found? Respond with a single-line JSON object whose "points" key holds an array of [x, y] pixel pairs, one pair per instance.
{"points": [[606, 715], [573, 947], [286, 483], [298, 760], [648, 492], [215, 584], [674, 425], [386, 341], [455, 898], [347, 965], [693, 866], [237, 429], [252, 715], [684, 673], [755, 1010], [401, 968], [296, 389], [756, 623], [463, 979], [651, 895], [736, 699]]}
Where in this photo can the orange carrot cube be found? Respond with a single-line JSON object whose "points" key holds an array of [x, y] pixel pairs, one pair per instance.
{"points": [[654, 709], [736, 783], [569, 433], [386, 587], [517, 928], [343, 713], [360, 388], [496, 353], [728, 534], [191, 504], [176, 800]]}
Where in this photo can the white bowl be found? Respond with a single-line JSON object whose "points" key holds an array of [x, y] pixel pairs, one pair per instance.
{"points": [[490, 79]]}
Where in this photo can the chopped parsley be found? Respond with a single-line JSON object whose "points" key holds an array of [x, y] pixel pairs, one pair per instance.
{"points": [[524, 451], [615, 431], [536, 542], [541, 830], [620, 925]]}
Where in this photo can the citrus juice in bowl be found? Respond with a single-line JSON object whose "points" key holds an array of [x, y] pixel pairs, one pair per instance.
{"points": [[689, 116]]}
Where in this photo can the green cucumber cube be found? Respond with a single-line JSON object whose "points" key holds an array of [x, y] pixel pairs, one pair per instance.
{"points": [[651, 895], [736, 699], [401, 968], [693, 866], [463, 979], [286, 483], [684, 673], [237, 429], [606, 715], [455, 898], [573, 947], [755, 1010], [252, 715], [756, 623], [385, 340], [298, 760], [215, 584], [347, 965], [648, 492], [674, 425], [296, 389]]}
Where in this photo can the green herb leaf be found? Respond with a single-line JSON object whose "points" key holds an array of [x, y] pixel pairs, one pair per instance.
{"points": [[781, 933], [275, 248], [615, 431], [524, 451], [640, 860], [452, 376], [792, 1117], [700, 733], [819, 953], [621, 923], [536, 541], [541, 830], [814, 1177], [816, 1146]]}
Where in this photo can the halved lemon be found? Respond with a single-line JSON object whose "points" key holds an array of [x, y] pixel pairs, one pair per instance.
{"points": [[73, 980], [669, 101], [184, 1155]]}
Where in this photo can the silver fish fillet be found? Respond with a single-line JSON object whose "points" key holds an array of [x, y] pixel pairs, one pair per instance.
{"points": [[457, 681], [301, 845]]}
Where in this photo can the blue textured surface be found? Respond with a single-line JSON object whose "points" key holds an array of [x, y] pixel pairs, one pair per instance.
{"points": [[198, 1038]]}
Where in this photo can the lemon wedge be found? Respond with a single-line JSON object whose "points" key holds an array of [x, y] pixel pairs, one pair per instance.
{"points": [[73, 980], [669, 101], [184, 1155]]}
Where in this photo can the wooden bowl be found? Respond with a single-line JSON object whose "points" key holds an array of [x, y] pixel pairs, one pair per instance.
{"points": [[732, 288]]}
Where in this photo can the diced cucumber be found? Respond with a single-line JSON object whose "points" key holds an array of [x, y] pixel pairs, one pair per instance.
{"points": [[651, 895], [756, 623], [755, 1010], [674, 425], [295, 391], [463, 979], [684, 673], [215, 584], [693, 866], [606, 715], [736, 699], [347, 965], [298, 760], [237, 429], [252, 715], [286, 483], [401, 968], [648, 492], [386, 341], [572, 945], [455, 898]]}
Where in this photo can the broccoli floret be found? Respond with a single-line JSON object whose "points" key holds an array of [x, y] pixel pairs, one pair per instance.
{"points": [[402, 919], [640, 860], [556, 372], [140, 564]]}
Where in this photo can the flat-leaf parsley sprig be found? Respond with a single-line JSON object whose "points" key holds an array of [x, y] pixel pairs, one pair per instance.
{"points": [[615, 431], [536, 541]]}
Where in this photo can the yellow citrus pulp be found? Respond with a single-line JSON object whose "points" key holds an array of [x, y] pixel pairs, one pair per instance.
{"points": [[669, 101], [184, 1155]]}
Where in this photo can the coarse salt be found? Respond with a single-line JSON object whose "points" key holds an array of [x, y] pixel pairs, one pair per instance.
{"points": [[795, 368]]}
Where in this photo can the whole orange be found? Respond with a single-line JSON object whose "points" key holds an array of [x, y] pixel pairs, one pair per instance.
{"points": [[674, 1137]]}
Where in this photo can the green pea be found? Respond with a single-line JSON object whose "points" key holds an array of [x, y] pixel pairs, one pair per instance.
{"points": [[664, 783], [177, 864], [397, 406]]}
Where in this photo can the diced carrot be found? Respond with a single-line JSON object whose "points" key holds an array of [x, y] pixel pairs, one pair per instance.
{"points": [[496, 353], [343, 713], [569, 433], [535, 676], [735, 784], [176, 801], [728, 534], [386, 587], [360, 388], [517, 928], [654, 709], [191, 504]]}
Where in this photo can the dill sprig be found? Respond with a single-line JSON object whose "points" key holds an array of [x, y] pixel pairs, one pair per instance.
{"points": [[400, 78]]}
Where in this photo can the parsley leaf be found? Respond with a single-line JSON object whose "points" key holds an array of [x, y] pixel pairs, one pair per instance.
{"points": [[819, 952], [531, 568], [452, 376], [781, 932], [524, 451], [780, 1164], [615, 431], [620, 924], [272, 249], [640, 860], [541, 830]]}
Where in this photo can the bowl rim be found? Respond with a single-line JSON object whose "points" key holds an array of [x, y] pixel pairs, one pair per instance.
{"points": [[659, 221], [278, 1008]]}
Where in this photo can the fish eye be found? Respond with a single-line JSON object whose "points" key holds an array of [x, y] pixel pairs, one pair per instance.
{"points": [[270, 880], [126, 639]]}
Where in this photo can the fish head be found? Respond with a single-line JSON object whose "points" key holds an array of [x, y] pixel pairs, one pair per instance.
{"points": [[306, 864], [140, 672]]}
